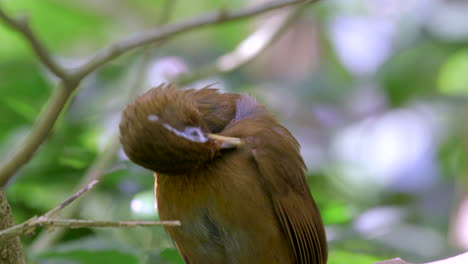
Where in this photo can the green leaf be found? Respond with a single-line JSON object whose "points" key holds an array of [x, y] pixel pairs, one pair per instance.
{"points": [[41, 197], [412, 73], [453, 76], [171, 255], [57, 23], [340, 257], [336, 213], [23, 89], [12, 44], [20, 107]]}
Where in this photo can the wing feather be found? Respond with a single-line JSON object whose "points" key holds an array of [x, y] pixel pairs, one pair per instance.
{"points": [[282, 174], [296, 209]]}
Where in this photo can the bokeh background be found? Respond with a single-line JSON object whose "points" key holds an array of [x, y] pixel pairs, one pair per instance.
{"points": [[374, 90]]}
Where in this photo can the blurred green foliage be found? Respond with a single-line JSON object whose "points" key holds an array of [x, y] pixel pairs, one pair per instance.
{"points": [[426, 68], [453, 77]]}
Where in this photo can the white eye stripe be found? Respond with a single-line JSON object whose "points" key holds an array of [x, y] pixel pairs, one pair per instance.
{"points": [[194, 134], [153, 118], [175, 131]]}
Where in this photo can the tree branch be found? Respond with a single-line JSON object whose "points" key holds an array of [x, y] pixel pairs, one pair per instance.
{"points": [[114, 50], [32, 224], [52, 213], [11, 251], [95, 172], [462, 258], [248, 49], [79, 223], [36, 221], [48, 220], [70, 80], [21, 25]]}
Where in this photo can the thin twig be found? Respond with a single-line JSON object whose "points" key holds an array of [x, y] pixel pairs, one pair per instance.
{"points": [[21, 25], [79, 223], [48, 220], [52, 213], [34, 221], [94, 173], [138, 75], [32, 224], [248, 49], [170, 30]]}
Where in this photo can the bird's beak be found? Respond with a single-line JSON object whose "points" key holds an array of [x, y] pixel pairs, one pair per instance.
{"points": [[225, 142]]}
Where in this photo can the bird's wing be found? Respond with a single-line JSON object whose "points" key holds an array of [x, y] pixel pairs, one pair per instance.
{"points": [[282, 174], [182, 254]]}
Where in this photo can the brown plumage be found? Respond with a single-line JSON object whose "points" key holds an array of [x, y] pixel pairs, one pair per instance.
{"points": [[241, 201]]}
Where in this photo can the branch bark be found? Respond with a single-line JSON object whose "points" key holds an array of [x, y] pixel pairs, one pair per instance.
{"points": [[21, 25], [48, 220], [11, 251], [248, 49], [32, 224], [94, 173], [170, 30]]}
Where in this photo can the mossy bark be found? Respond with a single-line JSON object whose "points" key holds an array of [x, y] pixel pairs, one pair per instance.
{"points": [[11, 251]]}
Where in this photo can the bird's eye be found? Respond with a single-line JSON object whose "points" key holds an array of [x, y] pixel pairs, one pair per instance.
{"points": [[195, 134]]}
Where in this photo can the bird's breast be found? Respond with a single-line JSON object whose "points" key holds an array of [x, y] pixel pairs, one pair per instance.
{"points": [[225, 214]]}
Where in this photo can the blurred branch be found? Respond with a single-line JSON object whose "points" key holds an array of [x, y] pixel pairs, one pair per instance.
{"points": [[114, 50], [248, 49], [52, 213], [393, 261], [463, 258], [47, 220], [95, 172], [80, 223], [22, 26], [71, 79], [37, 221]]}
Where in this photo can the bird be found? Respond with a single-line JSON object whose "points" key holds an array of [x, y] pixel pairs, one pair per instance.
{"points": [[229, 172]]}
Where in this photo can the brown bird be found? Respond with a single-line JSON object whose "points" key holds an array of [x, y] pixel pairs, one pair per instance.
{"points": [[229, 172]]}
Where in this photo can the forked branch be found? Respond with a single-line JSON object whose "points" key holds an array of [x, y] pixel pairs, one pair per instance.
{"points": [[70, 79], [48, 220]]}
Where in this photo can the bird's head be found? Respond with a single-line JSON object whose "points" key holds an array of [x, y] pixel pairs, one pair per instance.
{"points": [[163, 130]]}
